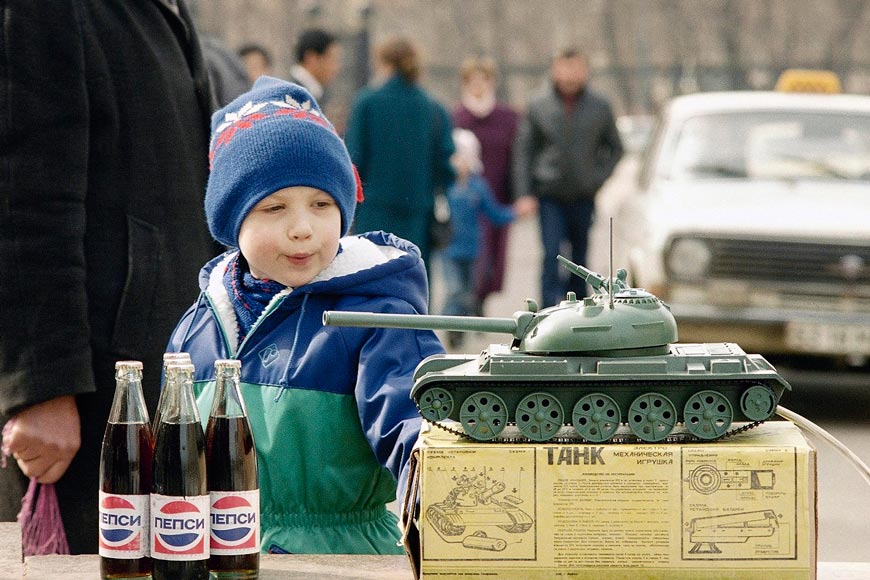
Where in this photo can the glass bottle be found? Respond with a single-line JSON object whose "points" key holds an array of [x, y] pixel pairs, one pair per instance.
{"points": [[231, 464], [125, 479], [179, 496]]}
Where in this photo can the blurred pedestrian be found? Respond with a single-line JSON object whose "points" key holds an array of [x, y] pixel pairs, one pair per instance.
{"points": [[226, 71], [399, 138], [495, 126], [471, 205], [318, 60], [257, 61], [106, 111], [567, 146]]}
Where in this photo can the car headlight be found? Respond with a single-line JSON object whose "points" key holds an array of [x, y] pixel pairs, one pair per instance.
{"points": [[689, 259]]}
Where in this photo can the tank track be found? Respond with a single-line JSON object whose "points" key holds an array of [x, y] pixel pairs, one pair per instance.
{"points": [[617, 439]]}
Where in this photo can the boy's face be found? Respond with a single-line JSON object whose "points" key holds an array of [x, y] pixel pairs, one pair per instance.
{"points": [[291, 235]]}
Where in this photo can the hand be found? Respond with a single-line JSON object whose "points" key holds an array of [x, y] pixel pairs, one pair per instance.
{"points": [[45, 437], [526, 206]]}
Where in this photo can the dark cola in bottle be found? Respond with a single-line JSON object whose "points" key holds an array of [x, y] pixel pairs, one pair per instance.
{"points": [[231, 463], [179, 496], [125, 479]]}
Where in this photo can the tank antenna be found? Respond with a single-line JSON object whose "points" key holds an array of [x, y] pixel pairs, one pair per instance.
{"points": [[610, 275]]}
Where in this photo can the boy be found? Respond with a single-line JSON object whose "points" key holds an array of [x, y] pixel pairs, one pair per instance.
{"points": [[330, 407]]}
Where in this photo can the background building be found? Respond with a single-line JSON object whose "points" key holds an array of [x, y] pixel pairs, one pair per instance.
{"points": [[642, 51]]}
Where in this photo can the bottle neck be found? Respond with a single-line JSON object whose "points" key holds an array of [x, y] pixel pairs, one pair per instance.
{"points": [[228, 400], [179, 404], [128, 405]]}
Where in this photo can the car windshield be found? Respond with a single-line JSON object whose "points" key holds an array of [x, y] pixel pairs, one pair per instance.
{"points": [[772, 145]]}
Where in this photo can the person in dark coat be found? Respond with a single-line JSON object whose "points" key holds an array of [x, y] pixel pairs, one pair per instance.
{"points": [[495, 126], [399, 139], [226, 71], [566, 148], [104, 147]]}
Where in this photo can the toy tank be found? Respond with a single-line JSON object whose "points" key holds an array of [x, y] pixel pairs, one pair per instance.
{"points": [[606, 367]]}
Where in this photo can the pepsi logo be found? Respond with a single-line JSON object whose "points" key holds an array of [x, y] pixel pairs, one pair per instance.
{"points": [[179, 528], [235, 523], [122, 521]]}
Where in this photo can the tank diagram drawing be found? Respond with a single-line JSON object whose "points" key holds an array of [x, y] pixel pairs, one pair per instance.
{"points": [[738, 506], [707, 479], [486, 510], [706, 533]]}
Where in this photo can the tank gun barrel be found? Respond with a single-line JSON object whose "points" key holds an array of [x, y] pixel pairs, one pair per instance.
{"points": [[420, 321], [597, 281]]}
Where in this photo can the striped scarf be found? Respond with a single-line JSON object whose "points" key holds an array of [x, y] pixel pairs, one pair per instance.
{"points": [[249, 295]]}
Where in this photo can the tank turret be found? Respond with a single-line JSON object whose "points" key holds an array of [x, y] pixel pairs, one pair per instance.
{"points": [[605, 367], [627, 322]]}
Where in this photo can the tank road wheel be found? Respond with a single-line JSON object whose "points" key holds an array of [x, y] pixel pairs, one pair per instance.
{"points": [[539, 415], [436, 404], [483, 415], [652, 417], [596, 417], [708, 415], [758, 403]]}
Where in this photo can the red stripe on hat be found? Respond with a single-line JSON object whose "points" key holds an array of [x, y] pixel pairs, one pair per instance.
{"points": [[360, 197]]}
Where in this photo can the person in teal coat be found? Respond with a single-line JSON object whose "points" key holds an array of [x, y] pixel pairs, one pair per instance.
{"points": [[399, 139]]}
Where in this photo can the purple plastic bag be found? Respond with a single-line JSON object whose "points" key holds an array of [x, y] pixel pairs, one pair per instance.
{"points": [[42, 530]]}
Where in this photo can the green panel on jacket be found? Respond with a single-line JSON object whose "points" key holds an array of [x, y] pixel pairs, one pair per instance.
{"points": [[341, 510]]}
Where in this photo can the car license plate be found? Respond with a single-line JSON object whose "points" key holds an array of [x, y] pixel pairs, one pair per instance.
{"points": [[828, 338]]}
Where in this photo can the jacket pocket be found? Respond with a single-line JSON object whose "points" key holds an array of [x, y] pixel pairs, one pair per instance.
{"points": [[131, 333], [547, 168]]}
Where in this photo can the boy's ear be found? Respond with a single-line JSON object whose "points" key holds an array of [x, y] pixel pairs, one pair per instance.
{"points": [[360, 197]]}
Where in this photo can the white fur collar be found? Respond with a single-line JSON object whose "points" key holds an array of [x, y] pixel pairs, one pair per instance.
{"points": [[358, 254]]}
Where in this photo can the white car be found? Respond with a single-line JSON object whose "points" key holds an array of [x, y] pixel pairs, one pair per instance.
{"points": [[750, 216]]}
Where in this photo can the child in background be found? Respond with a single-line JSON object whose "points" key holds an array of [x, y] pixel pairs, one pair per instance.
{"points": [[330, 408], [470, 199]]}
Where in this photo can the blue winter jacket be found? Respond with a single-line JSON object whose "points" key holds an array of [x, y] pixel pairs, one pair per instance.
{"points": [[330, 407], [469, 202]]}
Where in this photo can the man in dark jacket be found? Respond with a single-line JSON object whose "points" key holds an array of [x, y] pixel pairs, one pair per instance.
{"points": [[318, 60], [104, 144], [566, 148]]}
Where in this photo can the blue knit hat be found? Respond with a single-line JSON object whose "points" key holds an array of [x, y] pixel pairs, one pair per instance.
{"points": [[272, 137]]}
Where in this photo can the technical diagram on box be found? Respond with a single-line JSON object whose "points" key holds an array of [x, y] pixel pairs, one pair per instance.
{"points": [[738, 506], [480, 510]]}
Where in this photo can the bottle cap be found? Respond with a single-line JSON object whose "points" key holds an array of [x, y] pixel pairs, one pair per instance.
{"points": [[180, 366], [228, 362], [128, 364]]}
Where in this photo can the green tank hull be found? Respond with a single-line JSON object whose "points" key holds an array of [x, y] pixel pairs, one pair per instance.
{"points": [[699, 390]]}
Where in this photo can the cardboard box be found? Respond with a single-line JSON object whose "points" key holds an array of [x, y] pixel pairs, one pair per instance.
{"points": [[743, 508]]}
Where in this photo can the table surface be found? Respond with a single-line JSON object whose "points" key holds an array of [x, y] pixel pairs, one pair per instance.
{"points": [[273, 567], [323, 567]]}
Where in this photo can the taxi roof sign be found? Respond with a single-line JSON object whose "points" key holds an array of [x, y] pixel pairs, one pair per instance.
{"points": [[797, 80]]}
